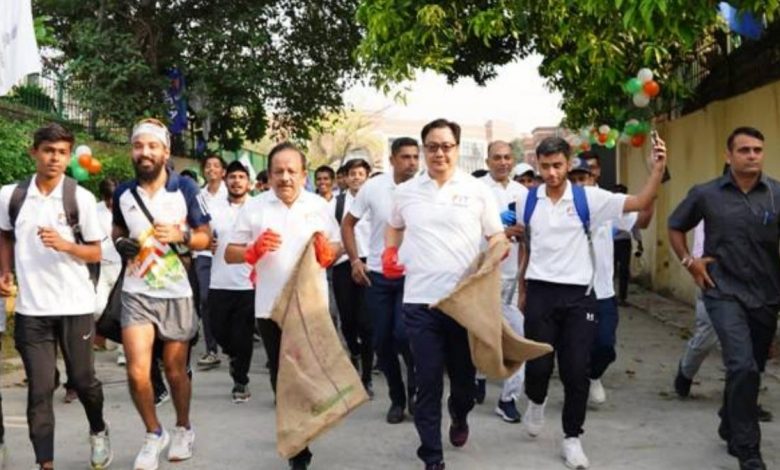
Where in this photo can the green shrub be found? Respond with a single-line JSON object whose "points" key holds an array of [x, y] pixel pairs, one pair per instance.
{"points": [[32, 96]]}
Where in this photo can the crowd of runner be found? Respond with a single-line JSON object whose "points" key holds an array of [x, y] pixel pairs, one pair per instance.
{"points": [[188, 262]]}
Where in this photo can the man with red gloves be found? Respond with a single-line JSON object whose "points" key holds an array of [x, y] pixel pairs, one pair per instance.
{"points": [[442, 217], [270, 234]]}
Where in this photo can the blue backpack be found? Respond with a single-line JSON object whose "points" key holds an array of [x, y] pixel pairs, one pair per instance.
{"points": [[583, 212]]}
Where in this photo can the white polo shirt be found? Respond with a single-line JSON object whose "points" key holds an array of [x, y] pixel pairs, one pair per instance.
{"points": [[445, 227], [157, 270], [208, 199], [223, 275], [504, 196], [559, 247], [604, 247], [362, 228], [107, 248], [50, 283], [295, 224], [375, 200]]}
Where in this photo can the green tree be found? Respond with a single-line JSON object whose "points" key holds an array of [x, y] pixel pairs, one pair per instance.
{"points": [[247, 63], [590, 47]]}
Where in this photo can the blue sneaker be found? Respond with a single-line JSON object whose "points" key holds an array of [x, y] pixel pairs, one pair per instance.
{"points": [[508, 411]]}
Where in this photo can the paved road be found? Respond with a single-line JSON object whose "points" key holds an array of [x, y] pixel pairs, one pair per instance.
{"points": [[643, 425]]}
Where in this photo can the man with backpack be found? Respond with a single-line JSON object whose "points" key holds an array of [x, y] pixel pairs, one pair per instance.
{"points": [[50, 227], [561, 306], [157, 218]]}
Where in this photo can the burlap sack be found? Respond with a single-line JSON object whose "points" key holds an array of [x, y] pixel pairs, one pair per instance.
{"points": [[496, 350], [317, 385]]}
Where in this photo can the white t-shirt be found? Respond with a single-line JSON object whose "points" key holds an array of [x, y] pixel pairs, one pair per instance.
{"points": [[505, 196], [559, 247], [208, 199], [157, 270], [223, 275], [107, 248], [698, 241], [362, 228], [375, 200], [295, 224], [50, 283], [604, 247], [445, 227]]}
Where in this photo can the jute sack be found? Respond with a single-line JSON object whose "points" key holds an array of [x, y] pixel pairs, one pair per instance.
{"points": [[496, 350], [317, 385]]}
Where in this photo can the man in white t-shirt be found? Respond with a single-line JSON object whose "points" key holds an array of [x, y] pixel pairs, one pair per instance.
{"points": [[354, 317], [603, 353], [56, 297], [384, 296], [506, 191], [560, 306], [439, 220], [270, 234], [231, 293], [213, 167], [158, 217]]}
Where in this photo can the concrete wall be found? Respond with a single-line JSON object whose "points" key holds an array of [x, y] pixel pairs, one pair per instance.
{"points": [[696, 144]]}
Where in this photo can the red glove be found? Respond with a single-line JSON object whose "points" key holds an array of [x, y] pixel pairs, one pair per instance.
{"points": [[322, 250], [267, 241], [390, 267]]}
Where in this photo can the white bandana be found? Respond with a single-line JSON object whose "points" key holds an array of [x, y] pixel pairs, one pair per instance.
{"points": [[159, 133]]}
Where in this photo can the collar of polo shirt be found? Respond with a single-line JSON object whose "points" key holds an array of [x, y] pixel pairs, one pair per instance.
{"points": [[33, 191], [729, 179], [457, 176], [541, 193]]}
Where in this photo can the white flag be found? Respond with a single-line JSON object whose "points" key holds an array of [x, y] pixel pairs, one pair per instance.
{"points": [[18, 49]]}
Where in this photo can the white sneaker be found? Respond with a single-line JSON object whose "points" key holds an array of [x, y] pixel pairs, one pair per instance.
{"points": [[181, 444], [149, 456], [100, 448], [121, 359], [534, 418], [597, 394], [573, 455]]}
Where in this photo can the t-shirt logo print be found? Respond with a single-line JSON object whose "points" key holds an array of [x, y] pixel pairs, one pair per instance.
{"points": [[157, 264]]}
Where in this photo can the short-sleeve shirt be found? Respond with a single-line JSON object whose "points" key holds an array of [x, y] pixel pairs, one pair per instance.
{"points": [[157, 270], [223, 275], [742, 234], [362, 228], [559, 251], [50, 283], [506, 195], [207, 200], [444, 228], [107, 248], [604, 247], [375, 200], [295, 224]]}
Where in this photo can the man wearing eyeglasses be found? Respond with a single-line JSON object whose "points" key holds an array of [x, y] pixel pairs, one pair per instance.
{"points": [[439, 221]]}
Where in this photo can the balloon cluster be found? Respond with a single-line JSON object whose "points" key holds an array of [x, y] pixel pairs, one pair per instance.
{"points": [[636, 132], [643, 88], [83, 164]]}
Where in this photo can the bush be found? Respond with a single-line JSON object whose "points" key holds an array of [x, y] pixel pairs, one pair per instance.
{"points": [[32, 96]]}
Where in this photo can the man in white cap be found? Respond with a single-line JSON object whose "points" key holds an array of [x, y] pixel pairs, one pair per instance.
{"points": [[525, 175], [157, 218]]}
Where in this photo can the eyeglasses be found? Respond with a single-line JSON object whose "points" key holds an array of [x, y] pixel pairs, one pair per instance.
{"points": [[434, 147]]}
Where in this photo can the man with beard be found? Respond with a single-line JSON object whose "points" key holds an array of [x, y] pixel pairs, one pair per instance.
{"points": [[56, 297], [213, 168], [384, 295], [561, 307], [157, 217], [231, 293], [270, 233]]}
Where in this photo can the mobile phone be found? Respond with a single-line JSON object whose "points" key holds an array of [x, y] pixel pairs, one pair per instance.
{"points": [[654, 139]]}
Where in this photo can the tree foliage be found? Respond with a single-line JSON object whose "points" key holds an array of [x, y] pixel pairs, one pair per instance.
{"points": [[248, 63], [590, 47]]}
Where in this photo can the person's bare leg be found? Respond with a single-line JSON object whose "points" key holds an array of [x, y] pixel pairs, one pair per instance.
{"points": [[175, 361], [138, 341]]}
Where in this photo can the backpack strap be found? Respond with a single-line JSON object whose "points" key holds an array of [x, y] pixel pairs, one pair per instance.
{"points": [[583, 212], [341, 200], [530, 206], [17, 199], [71, 207]]}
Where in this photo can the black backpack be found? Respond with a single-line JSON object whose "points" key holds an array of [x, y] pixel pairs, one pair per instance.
{"points": [[70, 205]]}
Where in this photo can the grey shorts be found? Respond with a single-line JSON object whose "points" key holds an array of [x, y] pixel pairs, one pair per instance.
{"points": [[174, 319]]}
